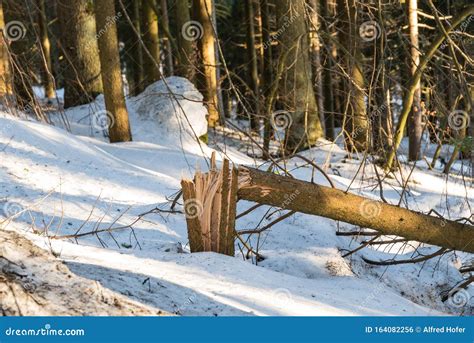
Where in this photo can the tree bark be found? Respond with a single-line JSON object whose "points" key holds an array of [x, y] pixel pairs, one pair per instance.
{"points": [[151, 60], [186, 51], [356, 121], [267, 75], [315, 42], [46, 66], [415, 129], [296, 91], [252, 66], [207, 49], [21, 55], [168, 50], [327, 84], [5, 82], [119, 127], [137, 53], [296, 195], [381, 117], [81, 69]]}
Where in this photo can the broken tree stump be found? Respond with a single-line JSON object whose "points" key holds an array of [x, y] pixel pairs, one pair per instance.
{"points": [[210, 202], [300, 196]]}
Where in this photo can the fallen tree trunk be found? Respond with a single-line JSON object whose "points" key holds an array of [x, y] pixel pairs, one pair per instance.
{"points": [[300, 196]]}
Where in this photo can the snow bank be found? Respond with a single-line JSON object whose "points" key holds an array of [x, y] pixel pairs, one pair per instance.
{"points": [[167, 112], [33, 282], [175, 104]]}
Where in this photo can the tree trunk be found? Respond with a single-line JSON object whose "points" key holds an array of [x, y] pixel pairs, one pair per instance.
{"points": [[119, 127], [168, 50], [5, 82], [327, 84], [259, 36], [137, 51], [296, 195], [151, 60], [415, 129], [356, 121], [303, 127], [252, 66], [22, 72], [315, 42], [81, 70], [46, 67], [381, 117], [186, 52], [267, 75], [207, 49], [220, 98]]}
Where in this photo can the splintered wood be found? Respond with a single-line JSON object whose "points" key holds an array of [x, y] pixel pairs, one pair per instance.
{"points": [[210, 202]]}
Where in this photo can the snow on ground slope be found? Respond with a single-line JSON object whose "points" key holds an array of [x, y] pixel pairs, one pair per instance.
{"points": [[34, 283], [58, 183]]}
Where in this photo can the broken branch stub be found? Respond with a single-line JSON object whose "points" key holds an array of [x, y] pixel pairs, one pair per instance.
{"points": [[210, 202]]}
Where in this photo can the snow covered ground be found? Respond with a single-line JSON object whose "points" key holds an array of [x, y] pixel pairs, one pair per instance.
{"points": [[54, 182]]}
